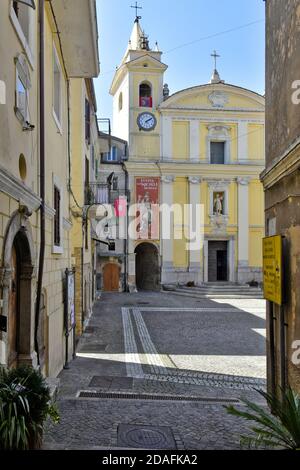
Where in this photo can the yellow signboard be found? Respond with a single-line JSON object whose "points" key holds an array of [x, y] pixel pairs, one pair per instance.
{"points": [[272, 256]]}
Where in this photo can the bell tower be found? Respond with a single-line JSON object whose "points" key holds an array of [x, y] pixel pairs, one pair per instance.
{"points": [[138, 90]]}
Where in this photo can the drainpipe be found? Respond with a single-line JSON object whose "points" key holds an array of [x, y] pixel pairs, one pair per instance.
{"points": [[127, 219], [42, 176]]}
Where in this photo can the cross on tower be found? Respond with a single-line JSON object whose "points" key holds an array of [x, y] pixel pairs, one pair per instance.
{"points": [[215, 56], [137, 8]]}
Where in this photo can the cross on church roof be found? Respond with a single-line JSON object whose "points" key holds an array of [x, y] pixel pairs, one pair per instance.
{"points": [[137, 7], [215, 56]]}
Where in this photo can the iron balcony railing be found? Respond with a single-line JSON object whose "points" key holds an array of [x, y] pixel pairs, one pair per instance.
{"points": [[102, 193]]}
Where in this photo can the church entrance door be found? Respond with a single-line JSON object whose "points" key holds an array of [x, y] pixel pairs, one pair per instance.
{"points": [[147, 268]]}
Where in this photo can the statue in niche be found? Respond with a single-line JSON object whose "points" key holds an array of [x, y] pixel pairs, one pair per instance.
{"points": [[219, 204]]}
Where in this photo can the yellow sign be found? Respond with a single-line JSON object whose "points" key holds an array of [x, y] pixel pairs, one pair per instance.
{"points": [[272, 256]]}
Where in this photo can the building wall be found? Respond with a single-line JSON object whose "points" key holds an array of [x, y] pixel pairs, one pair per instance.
{"points": [[19, 186], [281, 177]]}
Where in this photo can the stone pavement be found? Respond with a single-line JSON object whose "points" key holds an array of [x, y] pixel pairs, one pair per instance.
{"points": [[154, 359]]}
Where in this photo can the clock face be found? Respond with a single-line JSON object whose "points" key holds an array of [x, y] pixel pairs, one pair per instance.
{"points": [[146, 121]]}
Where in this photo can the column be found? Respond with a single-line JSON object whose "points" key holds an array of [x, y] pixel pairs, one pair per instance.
{"points": [[167, 132], [242, 141], [195, 141], [195, 255], [167, 230], [243, 227]]}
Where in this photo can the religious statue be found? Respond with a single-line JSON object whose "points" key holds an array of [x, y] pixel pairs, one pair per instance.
{"points": [[218, 204]]}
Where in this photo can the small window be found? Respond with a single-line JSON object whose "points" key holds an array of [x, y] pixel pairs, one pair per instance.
{"points": [[21, 99], [146, 96], [120, 101], [57, 238], [22, 88], [217, 153], [115, 184], [111, 246], [57, 85]]}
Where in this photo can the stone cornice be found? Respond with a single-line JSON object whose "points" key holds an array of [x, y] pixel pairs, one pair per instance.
{"points": [[13, 187], [282, 166]]}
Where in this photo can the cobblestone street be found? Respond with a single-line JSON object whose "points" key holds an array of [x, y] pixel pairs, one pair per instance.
{"points": [[159, 360]]}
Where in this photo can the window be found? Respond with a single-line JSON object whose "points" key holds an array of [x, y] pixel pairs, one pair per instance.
{"points": [[145, 95], [111, 246], [57, 85], [22, 88], [87, 121], [120, 101], [57, 238], [217, 153], [115, 184]]}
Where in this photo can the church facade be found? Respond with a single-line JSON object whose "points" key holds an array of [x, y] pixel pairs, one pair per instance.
{"points": [[200, 147]]}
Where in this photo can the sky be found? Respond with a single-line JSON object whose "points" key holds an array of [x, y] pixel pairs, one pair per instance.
{"points": [[187, 31]]}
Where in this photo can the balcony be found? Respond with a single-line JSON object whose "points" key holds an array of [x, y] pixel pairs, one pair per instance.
{"points": [[102, 193]]}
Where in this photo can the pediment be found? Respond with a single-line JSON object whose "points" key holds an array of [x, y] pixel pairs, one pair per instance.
{"points": [[218, 97]]}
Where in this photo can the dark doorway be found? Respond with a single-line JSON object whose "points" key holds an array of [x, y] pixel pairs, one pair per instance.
{"points": [[147, 268], [218, 261], [222, 265]]}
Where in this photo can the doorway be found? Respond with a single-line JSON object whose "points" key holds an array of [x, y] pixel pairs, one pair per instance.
{"points": [[217, 261], [147, 267], [19, 313], [111, 277]]}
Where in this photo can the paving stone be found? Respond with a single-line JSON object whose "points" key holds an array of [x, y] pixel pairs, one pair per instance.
{"points": [[161, 336]]}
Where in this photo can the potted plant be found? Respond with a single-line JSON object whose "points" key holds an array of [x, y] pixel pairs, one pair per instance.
{"points": [[280, 430], [25, 404]]}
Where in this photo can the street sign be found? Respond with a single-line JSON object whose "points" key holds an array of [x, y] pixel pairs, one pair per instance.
{"points": [[272, 267]]}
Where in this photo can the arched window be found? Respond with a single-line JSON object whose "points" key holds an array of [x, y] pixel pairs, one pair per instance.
{"points": [[120, 101], [145, 95]]}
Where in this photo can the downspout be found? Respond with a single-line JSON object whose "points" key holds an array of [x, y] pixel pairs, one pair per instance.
{"points": [[42, 176], [127, 220]]}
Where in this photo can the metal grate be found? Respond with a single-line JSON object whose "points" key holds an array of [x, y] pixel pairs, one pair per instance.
{"points": [[140, 396]]}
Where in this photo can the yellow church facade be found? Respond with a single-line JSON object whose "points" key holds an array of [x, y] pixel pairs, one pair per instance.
{"points": [[204, 146]]}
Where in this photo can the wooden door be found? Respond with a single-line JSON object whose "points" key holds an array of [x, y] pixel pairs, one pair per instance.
{"points": [[111, 278], [13, 313]]}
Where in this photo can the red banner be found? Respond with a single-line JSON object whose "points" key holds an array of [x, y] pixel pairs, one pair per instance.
{"points": [[147, 192]]}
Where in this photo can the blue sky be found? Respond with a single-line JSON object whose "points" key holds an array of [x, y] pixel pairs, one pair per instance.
{"points": [[175, 23]]}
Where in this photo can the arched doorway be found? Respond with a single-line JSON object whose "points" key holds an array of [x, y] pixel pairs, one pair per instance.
{"points": [[16, 290], [147, 267], [111, 277], [19, 342]]}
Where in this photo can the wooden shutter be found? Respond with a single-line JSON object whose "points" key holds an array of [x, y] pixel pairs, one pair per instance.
{"points": [[57, 216]]}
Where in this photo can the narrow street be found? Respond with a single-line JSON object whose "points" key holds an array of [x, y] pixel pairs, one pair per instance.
{"points": [[155, 371]]}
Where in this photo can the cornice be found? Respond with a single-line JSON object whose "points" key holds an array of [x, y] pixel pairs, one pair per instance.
{"points": [[15, 188], [282, 166]]}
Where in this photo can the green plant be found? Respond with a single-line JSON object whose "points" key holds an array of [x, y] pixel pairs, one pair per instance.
{"points": [[25, 404], [280, 430]]}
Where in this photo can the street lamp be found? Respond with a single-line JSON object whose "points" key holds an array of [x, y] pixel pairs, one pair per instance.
{"points": [[28, 3]]}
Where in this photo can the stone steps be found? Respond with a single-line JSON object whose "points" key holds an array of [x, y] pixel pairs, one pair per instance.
{"points": [[217, 292]]}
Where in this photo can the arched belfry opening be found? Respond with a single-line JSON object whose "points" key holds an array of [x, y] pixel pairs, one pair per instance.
{"points": [[147, 267], [146, 100]]}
